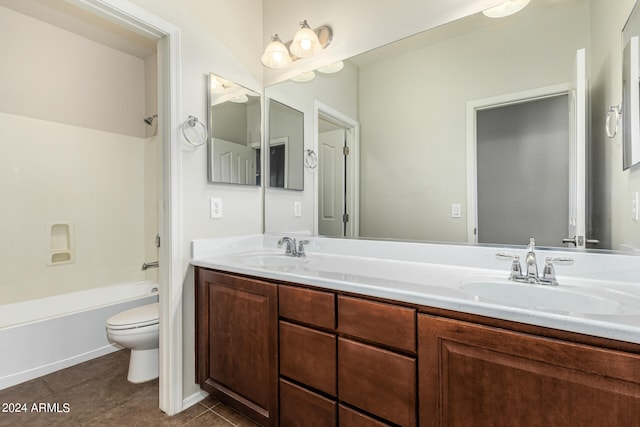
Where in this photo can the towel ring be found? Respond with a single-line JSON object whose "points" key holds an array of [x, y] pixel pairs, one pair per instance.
{"points": [[311, 159], [191, 122], [615, 111]]}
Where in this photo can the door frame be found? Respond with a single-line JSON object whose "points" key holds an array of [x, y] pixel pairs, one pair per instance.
{"points": [[170, 276], [471, 122], [352, 196]]}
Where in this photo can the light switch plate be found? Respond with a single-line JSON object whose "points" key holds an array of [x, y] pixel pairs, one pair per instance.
{"points": [[297, 208], [635, 206], [456, 210]]}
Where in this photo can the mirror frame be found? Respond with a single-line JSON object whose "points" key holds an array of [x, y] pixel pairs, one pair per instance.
{"points": [[631, 89]]}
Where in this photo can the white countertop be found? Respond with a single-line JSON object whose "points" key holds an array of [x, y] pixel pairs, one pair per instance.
{"points": [[601, 303]]}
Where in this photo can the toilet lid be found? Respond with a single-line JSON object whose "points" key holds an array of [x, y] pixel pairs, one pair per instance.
{"points": [[144, 315]]}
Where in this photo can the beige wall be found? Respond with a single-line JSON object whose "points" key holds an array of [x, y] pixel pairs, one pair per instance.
{"points": [[55, 75], [72, 150]]}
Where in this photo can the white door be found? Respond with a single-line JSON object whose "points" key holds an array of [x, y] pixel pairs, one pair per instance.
{"points": [[331, 188], [578, 159], [234, 163]]}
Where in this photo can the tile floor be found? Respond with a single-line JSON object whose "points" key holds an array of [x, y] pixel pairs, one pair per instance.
{"points": [[97, 393]]}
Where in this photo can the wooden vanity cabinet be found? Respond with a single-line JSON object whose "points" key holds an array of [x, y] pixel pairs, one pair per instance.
{"points": [[237, 343], [298, 356], [483, 376]]}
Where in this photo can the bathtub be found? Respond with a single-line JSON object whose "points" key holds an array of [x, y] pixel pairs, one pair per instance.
{"points": [[44, 335]]}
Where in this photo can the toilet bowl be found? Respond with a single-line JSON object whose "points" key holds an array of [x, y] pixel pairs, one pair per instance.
{"points": [[137, 329]]}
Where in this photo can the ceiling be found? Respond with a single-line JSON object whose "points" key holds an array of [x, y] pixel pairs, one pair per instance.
{"points": [[71, 18]]}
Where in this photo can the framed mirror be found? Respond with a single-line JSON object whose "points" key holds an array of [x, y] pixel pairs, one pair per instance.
{"points": [[234, 120], [631, 90], [286, 144]]}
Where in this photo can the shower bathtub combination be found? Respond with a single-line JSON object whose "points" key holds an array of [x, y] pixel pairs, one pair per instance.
{"points": [[44, 335]]}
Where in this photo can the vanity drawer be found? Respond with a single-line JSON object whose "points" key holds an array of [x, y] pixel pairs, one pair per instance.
{"points": [[308, 356], [316, 308], [302, 407], [351, 418], [378, 381], [378, 322]]}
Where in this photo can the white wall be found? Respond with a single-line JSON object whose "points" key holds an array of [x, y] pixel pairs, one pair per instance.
{"points": [[613, 186], [413, 135]]}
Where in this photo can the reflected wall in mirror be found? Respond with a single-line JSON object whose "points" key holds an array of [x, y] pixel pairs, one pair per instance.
{"points": [[286, 144], [234, 129], [412, 101], [631, 90]]}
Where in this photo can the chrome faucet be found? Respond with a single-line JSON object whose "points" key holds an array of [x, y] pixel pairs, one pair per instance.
{"points": [[293, 248], [531, 276], [531, 262]]}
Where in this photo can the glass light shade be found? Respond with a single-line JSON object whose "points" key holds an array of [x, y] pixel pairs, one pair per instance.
{"points": [[305, 43], [304, 77], [332, 68], [240, 99], [276, 55], [505, 9]]}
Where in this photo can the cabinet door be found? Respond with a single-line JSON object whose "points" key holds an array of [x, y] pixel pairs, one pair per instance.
{"points": [[482, 376], [378, 381], [237, 343]]}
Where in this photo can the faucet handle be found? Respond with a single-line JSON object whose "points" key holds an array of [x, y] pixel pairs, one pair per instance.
{"points": [[549, 272], [301, 244], [516, 269]]}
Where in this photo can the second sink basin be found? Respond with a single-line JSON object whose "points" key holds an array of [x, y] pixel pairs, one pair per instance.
{"points": [[273, 260], [545, 298]]}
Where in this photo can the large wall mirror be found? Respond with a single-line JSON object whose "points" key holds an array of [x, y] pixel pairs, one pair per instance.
{"points": [[286, 144], [413, 100], [631, 90], [234, 132]]}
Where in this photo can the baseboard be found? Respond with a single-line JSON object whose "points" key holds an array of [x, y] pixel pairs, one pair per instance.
{"points": [[196, 397], [39, 371]]}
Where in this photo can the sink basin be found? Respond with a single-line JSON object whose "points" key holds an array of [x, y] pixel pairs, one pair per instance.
{"points": [[273, 260], [543, 297]]}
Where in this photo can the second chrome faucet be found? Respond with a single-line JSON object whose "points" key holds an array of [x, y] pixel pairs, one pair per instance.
{"points": [[531, 276], [292, 248]]}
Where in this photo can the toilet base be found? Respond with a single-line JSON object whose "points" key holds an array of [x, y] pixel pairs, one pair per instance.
{"points": [[143, 366]]}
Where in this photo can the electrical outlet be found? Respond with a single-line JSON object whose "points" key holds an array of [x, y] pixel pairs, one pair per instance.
{"points": [[216, 208], [297, 208]]}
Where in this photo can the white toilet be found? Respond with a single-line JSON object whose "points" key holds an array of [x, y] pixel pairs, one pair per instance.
{"points": [[137, 329]]}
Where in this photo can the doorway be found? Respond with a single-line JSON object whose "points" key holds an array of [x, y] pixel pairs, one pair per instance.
{"points": [[522, 150], [167, 37], [337, 183]]}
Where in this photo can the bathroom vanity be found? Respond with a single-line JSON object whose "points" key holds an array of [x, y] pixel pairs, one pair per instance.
{"points": [[287, 343]]}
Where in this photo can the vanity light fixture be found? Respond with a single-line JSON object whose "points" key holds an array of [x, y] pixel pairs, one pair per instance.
{"points": [[305, 44], [505, 9]]}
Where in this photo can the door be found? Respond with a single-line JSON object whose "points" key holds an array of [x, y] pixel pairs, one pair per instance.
{"points": [[331, 188], [233, 162]]}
